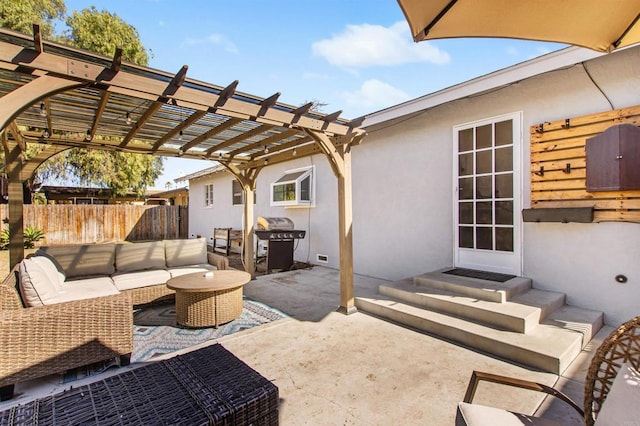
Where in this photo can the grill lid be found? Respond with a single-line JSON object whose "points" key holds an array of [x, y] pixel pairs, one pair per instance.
{"points": [[271, 223]]}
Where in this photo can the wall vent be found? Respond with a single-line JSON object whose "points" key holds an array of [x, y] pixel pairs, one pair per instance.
{"points": [[322, 258]]}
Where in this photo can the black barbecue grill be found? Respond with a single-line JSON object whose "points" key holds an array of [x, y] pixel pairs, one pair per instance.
{"points": [[280, 235]]}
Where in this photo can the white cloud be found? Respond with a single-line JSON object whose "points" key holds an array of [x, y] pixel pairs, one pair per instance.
{"points": [[214, 40], [512, 51], [374, 94], [370, 45]]}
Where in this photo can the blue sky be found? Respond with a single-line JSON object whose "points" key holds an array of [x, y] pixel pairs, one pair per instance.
{"points": [[353, 55]]}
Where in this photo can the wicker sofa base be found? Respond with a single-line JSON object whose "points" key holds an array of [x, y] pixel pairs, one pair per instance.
{"points": [[207, 386], [150, 294]]}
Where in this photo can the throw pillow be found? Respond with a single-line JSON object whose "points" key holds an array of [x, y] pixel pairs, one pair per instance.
{"points": [[83, 260], [185, 252], [39, 280], [140, 256]]}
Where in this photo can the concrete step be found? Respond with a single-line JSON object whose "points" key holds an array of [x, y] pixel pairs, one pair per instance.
{"points": [[551, 346], [490, 291], [521, 314]]}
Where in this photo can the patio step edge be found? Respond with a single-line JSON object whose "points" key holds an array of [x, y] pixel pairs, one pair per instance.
{"points": [[547, 347], [490, 291], [510, 315]]}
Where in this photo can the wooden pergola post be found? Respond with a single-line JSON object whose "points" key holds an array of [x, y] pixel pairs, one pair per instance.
{"points": [[10, 106], [14, 156], [247, 178], [339, 156]]}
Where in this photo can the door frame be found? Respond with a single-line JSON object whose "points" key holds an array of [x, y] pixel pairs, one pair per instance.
{"points": [[489, 260]]}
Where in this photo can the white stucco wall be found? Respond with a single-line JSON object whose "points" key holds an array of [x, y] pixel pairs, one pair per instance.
{"points": [[320, 222], [403, 193]]}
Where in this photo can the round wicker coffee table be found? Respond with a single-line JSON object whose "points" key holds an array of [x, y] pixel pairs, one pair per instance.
{"points": [[205, 301]]}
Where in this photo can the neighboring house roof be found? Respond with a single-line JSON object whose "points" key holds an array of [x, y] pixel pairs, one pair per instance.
{"points": [[205, 172], [77, 191], [172, 192], [545, 63]]}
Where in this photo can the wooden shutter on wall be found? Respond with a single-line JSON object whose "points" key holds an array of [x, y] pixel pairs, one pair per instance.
{"points": [[558, 167]]}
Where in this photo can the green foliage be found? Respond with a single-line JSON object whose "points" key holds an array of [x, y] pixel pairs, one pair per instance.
{"points": [[19, 15], [102, 32], [31, 236], [121, 172]]}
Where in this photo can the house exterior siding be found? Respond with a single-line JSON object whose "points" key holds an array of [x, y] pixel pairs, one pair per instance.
{"points": [[403, 191], [320, 221], [581, 260]]}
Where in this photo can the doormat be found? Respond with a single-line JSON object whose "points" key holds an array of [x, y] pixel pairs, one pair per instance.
{"points": [[480, 275], [155, 333]]}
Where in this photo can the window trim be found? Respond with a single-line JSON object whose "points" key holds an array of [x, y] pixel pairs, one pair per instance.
{"points": [[236, 183], [304, 173], [208, 195]]}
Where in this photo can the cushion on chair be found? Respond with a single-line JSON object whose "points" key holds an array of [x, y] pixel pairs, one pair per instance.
{"points": [[86, 288], [83, 260], [480, 415], [140, 256], [622, 405], [40, 280], [185, 252]]}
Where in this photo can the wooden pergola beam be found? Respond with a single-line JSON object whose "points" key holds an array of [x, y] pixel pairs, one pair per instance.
{"points": [[283, 147], [37, 38], [176, 130], [266, 141], [152, 89], [169, 91], [226, 94], [209, 133], [267, 103], [239, 138]]}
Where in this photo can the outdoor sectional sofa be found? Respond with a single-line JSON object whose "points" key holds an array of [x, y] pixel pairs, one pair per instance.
{"points": [[69, 306]]}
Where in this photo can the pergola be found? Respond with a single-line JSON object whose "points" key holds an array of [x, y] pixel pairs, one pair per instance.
{"points": [[58, 98]]}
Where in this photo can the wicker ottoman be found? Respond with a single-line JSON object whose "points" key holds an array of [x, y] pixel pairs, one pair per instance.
{"points": [[207, 386]]}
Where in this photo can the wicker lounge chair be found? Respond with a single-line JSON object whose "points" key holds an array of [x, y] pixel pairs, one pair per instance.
{"points": [[622, 346], [42, 340]]}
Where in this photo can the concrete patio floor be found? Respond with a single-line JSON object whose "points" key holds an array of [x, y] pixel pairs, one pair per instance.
{"points": [[333, 369]]}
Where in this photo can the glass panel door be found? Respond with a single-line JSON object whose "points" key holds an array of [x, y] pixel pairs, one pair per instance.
{"points": [[487, 197]]}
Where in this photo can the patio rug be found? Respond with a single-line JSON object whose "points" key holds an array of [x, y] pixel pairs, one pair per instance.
{"points": [[155, 333], [481, 275]]}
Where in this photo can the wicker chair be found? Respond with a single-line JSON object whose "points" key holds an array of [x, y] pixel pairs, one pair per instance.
{"points": [[621, 346], [39, 341]]}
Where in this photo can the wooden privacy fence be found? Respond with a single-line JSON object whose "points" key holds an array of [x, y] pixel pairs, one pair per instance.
{"points": [[558, 166], [80, 224]]}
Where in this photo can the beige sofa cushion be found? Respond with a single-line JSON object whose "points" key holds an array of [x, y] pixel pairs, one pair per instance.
{"points": [[86, 288], [83, 260], [185, 252], [622, 406], [40, 280], [138, 279], [140, 256], [480, 415]]}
